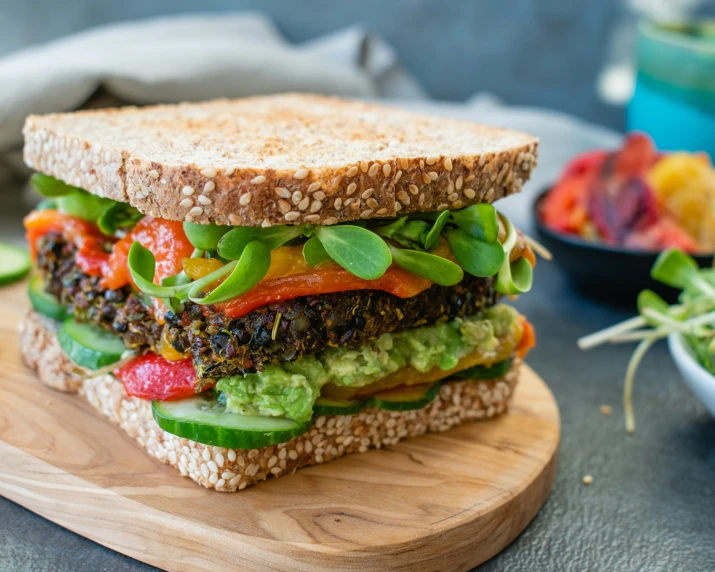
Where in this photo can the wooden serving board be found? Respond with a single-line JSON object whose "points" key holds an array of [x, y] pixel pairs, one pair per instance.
{"points": [[444, 501]]}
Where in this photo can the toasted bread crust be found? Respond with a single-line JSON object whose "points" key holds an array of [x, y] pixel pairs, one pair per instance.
{"points": [[331, 437], [279, 159]]}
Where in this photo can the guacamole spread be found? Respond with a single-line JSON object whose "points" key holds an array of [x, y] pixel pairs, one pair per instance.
{"points": [[290, 389]]}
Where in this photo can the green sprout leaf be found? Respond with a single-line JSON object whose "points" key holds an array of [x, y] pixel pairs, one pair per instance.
{"points": [[438, 270], [479, 258], [514, 277], [388, 230], [83, 205], [358, 250], [205, 236], [142, 265], [314, 252], [649, 300], [412, 233], [118, 215], [675, 268], [50, 187], [432, 238], [480, 221], [46, 204], [233, 242], [246, 273]]}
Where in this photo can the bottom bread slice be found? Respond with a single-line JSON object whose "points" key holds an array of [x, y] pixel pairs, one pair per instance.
{"points": [[330, 438]]}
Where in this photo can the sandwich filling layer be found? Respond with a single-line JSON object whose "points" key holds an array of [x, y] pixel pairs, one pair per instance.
{"points": [[274, 325]]}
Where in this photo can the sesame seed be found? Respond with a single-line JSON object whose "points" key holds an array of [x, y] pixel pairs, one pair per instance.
{"points": [[302, 205], [470, 178], [297, 197], [189, 218], [422, 165], [352, 171], [276, 471], [259, 180], [330, 220], [482, 160], [272, 462], [266, 223], [404, 163], [212, 466], [587, 479], [381, 211], [291, 216], [312, 217], [231, 454], [372, 203], [186, 203], [366, 214], [364, 166], [314, 186], [442, 207], [320, 195], [220, 483], [209, 172], [282, 193], [245, 198], [413, 189], [433, 175], [403, 197], [386, 169], [196, 211], [154, 174], [316, 206], [338, 204], [373, 170], [431, 160], [205, 200], [453, 197], [284, 206], [367, 193], [459, 182], [204, 471], [163, 181], [457, 204], [209, 187], [450, 187], [228, 172], [426, 178], [525, 166], [606, 409], [351, 189], [206, 454], [421, 200], [398, 207], [447, 163], [300, 174], [188, 191], [398, 176]]}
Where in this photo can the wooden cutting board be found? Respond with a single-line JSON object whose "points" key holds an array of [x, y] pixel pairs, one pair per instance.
{"points": [[444, 501]]}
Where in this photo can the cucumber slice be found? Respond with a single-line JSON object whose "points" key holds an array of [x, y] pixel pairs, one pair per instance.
{"points": [[494, 371], [43, 302], [14, 263], [203, 419], [89, 345], [328, 406], [405, 398]]}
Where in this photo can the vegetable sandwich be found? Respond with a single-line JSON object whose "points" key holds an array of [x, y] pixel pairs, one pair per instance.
{"points": [[251, 286]]}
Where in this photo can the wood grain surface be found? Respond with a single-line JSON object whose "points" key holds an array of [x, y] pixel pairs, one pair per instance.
{"points": [[444, 501]]}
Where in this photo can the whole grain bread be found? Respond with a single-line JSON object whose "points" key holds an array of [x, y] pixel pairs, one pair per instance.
{"points": [[330, 438], [279, 159]]}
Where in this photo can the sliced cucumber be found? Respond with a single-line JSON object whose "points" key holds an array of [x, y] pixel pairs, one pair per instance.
{"points": [[405, 398], [203, 419], [328, 406], [14, 263], [89, 345], [43, 302], [494, 371]]}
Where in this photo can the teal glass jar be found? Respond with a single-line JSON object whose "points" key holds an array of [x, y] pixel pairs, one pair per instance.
{"points": [[674, 98]]}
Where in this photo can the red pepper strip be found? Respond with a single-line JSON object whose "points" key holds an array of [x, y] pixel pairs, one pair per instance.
{"points": [[528, 339], [154, 377], [323, 281]]}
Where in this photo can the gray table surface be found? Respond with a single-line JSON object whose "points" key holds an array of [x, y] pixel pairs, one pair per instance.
{"points": [[651, 505]]}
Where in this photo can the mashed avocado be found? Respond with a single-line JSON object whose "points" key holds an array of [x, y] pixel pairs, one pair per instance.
{"points": [[290, 389]]}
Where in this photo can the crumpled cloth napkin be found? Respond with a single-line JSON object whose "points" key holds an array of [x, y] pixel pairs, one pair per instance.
{"points": [[199, 57]]}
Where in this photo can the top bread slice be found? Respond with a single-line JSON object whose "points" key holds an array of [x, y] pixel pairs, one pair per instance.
{"points": [[280, 159]]}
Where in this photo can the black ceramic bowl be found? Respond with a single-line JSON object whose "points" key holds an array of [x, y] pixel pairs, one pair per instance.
{"points": [[610, 274]]}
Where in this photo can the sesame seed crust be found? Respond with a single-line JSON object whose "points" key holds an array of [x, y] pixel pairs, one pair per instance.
{"points": [[294, 143], [331, 437]]}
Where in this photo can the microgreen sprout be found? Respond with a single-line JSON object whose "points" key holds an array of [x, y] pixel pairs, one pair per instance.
{"points": [[693, 317]]}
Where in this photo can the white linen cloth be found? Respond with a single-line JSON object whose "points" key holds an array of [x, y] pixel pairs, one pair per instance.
{"points": [[198, 57]]}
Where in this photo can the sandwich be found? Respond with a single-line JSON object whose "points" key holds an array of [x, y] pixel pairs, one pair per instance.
{"points": [[247, 287]]}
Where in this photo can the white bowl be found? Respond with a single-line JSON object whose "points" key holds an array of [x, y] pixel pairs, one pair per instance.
{"points": [[700, 380]]}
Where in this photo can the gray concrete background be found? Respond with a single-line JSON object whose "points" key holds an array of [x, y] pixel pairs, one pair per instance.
{"points": [[538, 52]]}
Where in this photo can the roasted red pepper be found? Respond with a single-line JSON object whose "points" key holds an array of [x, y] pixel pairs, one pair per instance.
{"points": [[154, 377]]}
